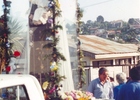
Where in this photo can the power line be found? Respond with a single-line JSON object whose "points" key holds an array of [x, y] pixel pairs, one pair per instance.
{"points": [[97, 3]]}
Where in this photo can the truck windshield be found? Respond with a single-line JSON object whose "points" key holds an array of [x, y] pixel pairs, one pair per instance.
{"points": [[14, 93]]}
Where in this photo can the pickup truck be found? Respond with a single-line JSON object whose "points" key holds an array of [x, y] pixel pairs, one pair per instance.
{"points": [[20, 87]]}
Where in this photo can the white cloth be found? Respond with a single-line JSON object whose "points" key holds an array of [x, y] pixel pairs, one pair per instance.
{"points": [[65, 68], [41, 14], [12, 64]]}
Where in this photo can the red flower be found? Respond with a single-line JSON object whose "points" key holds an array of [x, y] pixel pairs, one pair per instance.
{"points": [[16, 53], [8, 68]]}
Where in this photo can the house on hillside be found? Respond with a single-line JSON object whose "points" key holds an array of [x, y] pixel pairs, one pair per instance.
{"points": [[116, 24], [99, 52]]}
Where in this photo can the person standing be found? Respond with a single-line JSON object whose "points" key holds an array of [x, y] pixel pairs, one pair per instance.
{"points": [[101, 87], [121, 79], [131, 90]]}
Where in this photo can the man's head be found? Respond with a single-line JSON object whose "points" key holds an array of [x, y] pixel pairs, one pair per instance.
{"points": [[121, 77], [103, 74], [135, 73]]}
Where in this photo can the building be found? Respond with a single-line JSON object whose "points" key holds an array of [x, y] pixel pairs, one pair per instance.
{"points": [[99, 52]]}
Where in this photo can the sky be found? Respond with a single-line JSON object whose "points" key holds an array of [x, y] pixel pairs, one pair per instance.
{"points": [[111, 10], [18, 8], [68, 8], [18, 11]]}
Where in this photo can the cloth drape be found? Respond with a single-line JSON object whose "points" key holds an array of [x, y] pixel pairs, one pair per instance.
{"points": [[65, 68]]}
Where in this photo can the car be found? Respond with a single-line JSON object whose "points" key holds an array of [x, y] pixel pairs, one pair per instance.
{"points": [[20, 87]]}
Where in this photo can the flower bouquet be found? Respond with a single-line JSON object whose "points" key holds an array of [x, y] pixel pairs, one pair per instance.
{"points": [[76, 95]]}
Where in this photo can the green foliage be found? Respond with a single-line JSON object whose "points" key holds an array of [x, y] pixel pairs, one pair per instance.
{"points": [[79, 13], [5, 45], [100, 19], [56, 27], [81, 71], [49, 45], [53, 77]]}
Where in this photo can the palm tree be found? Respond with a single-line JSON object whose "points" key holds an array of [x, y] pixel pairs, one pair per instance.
{"points": [[18, 34], [100, 19]]}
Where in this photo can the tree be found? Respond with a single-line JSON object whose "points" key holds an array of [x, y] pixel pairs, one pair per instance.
{"points": [[131, 21], [85, 29], [89, 22], [106, 25], [100, 19]]}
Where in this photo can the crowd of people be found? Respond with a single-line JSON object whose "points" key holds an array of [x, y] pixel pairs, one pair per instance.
{"points": [[103, 87]]}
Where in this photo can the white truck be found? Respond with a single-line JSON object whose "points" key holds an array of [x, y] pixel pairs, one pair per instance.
{"points": [[20, 87]]}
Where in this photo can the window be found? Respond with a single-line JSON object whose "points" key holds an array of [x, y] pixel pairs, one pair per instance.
{"points": [[102, 63], [14, 93]]}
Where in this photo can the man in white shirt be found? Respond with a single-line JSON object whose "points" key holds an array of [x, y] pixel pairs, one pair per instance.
{"points": [[100, 87]]}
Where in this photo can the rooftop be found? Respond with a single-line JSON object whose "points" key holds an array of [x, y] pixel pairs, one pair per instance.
{"points": [[99, 48], [97, 45]]}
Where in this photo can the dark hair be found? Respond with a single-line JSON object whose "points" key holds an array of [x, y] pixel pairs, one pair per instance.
{"points": [[111, 79], [101, 70], [135, 73]]}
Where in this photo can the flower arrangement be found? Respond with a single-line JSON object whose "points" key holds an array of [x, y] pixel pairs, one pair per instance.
{"points": [[76, 95], [53, 77]]}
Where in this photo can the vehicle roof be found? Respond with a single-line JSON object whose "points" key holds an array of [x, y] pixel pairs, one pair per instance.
{"points": [[31, 83], [12, 79]]}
